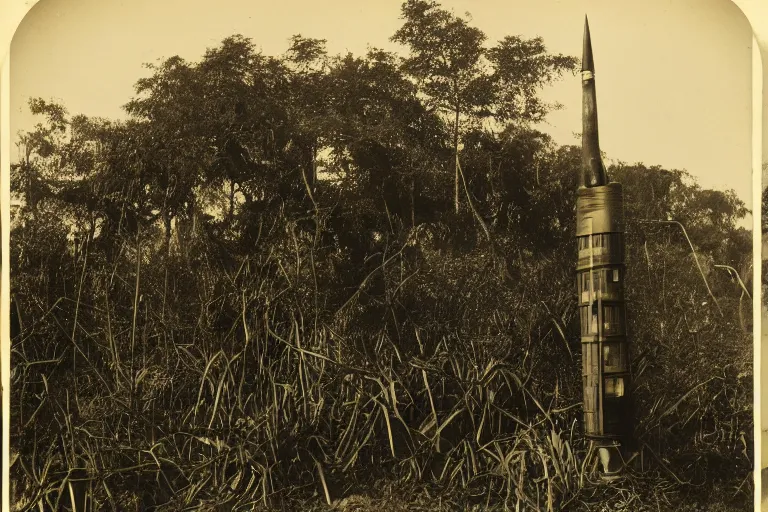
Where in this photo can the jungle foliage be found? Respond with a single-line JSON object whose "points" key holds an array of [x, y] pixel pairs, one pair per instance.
{"points": [[285, 281]]}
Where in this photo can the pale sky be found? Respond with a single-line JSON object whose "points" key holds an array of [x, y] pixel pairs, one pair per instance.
{"points": [[673, 76]]}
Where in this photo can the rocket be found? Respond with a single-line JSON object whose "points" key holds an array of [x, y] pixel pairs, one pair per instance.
{"points": [[600, 276]]}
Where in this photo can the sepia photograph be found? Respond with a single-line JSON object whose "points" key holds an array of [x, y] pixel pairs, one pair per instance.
{"points": [[411, 255]]}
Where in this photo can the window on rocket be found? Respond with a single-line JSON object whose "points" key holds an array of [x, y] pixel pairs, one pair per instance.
{"points": [[613, 357], [584, 290], [588, 323], [593, 322], [612, 320], [614, 387]]}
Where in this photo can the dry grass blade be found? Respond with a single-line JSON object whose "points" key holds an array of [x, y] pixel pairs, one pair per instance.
{"points": [[323, 483]]}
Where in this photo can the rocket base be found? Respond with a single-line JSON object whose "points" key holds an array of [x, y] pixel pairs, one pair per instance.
{"points": [[611, 461]]}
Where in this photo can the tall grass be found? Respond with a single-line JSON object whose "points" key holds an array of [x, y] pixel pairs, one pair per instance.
{"points": [[262, 382]]}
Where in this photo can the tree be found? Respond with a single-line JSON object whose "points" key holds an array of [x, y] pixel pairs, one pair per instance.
{"points": [[469, 82], [309, 94]]}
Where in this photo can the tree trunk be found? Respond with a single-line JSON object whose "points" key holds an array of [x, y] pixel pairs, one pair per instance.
{"points": [[456, 163], [314, 168], [166, 259], [167, 218], [413, 202], [131, 398], [309, 168], [231, 202]]}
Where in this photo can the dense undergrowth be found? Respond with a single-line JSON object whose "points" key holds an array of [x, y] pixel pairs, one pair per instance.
{"points": [[205, 320]]}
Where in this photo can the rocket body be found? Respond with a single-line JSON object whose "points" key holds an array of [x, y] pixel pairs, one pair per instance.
{"points": [[600, 275]]}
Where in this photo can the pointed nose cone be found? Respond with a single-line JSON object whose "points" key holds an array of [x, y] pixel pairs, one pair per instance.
{"points": [[593, 172], [587, 63]]}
